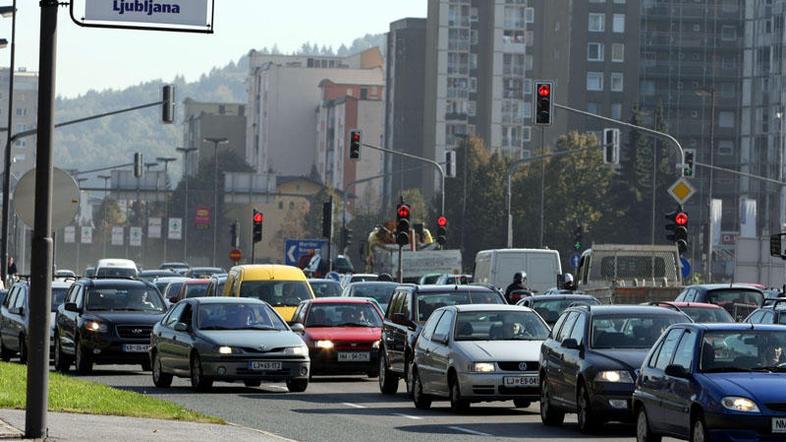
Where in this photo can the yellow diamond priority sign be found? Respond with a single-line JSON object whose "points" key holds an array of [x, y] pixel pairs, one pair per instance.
{"points": [[681, 190]]}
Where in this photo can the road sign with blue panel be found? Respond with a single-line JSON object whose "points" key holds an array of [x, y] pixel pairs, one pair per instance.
{"points": [[575, 259], [294, 249], [686, 268]]}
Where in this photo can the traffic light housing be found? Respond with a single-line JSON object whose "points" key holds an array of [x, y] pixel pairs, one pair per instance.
{"points": [[139, 163], [258, 220], [677, 229], [233, 238], [346, 237], [403, 212], [355, 141], [690, 156], [442, 230], [168, 104], [544, 92], [578, 238], [327, 219]]}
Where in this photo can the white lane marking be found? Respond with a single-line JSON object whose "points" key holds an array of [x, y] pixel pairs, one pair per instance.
{"points": [[468, 431], [349, 404], [408, 416]]}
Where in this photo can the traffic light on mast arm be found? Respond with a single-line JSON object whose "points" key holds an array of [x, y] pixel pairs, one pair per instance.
{"points": [[677, 229], [258, 219], [355, 141], [578, 238], [544, 93], [442, 230], [168, 104], [139, 162], [403, 225]]}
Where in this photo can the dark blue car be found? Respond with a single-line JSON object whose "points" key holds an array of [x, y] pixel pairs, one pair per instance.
{"points": [[719, 382]]}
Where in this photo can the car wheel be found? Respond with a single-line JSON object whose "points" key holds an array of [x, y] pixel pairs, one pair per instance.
{"points": [[587, 423], [521, 403], [643, 431], [548, 414], [252, 384], [198, 381], [388, 382], [62, 364], [457, 403], [84, 365], [160, 379], [422, 400], [297, 385], [5, 354], [699, 430], [22, 349]]}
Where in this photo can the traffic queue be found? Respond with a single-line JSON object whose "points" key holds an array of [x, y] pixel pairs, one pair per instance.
{"points": [[709, 365]]}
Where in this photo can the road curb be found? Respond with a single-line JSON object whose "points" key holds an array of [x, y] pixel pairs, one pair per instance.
{"points": [[8, 432], [266, 433]]}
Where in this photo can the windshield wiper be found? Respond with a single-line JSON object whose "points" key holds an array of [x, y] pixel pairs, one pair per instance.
{"points": [[353, 324], [213, 327], [726, 369], [258, 327], [771, 368]]}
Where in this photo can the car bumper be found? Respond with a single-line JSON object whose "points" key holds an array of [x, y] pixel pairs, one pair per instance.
{"points": [[742, 428], [326, 362], [492, 387], [105, 349], [612, 402], [239, 369]]}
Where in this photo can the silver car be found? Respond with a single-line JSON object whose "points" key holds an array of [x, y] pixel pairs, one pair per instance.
{"points": [[478, 353]]}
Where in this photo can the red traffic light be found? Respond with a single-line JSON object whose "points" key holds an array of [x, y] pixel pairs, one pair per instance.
{"points": [[258, 217], [355, 136], [403, 211], [544, 90], [681, 219], [442, 221]]}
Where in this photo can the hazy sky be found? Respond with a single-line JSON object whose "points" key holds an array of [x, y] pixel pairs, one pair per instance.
{"points": [[101, 59]]}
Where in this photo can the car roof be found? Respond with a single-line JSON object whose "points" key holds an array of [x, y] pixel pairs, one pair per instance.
{"points": [[115, 282], [361, 283], [629, 310], [561, 297], [341, 300], [116, 262], [682, 304], [197, 282], [310, 280], [171, 279], [268, 272], [226, 300], [735, 326], [451, 287], [738, 286], [61, 284], [489, 307], [175, 263], [193, 269]]}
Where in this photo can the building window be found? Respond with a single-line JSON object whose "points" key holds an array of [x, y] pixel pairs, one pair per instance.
{"points": [[616, 81], [364, 93], [526, 133], [618, 23], [594, 81], [728, 33], [529, 15], [616, 111], [597, 22], [726, 147], [618, 52], [595, 51], [593, 108], [647, 87], [726, 119], [281, 205]]}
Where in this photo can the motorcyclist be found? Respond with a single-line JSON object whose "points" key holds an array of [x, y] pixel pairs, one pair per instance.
{"points": [[570, 283], [519, 283]]}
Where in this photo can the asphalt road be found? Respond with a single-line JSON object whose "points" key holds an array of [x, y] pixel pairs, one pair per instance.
{"points": [[352, 409]]}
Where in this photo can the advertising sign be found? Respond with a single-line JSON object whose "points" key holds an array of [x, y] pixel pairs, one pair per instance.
{"points": [[117, 236], [175, 228], [135, 237], [202, 216], [69, 234], [162, 12], [87, 235], [154, 228]]}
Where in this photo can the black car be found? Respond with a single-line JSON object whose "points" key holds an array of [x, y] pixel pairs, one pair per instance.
{"points": [[740, 300], [14, 319], [216, 285], [590, 362], [409, 308], [773, 312], [550, 307], [325, 288], [106, 321]]}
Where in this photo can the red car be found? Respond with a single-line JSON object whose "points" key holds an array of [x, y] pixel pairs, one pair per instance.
{"points": [[342, 335], [700, 312], [193, 288]]}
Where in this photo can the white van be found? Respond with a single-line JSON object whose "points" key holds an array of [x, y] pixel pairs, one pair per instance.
{"points": [[497, 267], [116, 268]]}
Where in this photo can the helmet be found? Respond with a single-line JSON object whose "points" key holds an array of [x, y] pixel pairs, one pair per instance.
{"points": [[568, 278], [519, 276]]}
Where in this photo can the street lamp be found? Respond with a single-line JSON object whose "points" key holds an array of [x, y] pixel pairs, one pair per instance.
{"points": [[781, 218], [78, 228], [216, 142], [106, 179], [185, 151], [166, 161], [704, 93], [8, 11]]}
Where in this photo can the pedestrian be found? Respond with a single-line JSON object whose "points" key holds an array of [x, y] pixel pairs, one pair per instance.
{"points": [[11, 270], [519, 283]]}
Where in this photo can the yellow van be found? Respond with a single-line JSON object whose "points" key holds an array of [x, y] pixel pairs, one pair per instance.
{"points": [[283, 287]]}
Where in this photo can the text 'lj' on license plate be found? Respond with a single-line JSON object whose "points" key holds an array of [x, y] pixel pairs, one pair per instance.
{"points": [[264, 365], [779, 425], [355, 356], [521, 381], [136, 348]]}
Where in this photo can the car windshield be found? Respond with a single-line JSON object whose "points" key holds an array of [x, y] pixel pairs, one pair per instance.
{"points": [[428, 302], [708, 315], [430, 279], [630, 331], [343, 315], [173, 288], [738, 302], [58, 296], [196, 290], [363, 278], [238, 316], [141, 299], [742, 351], [326, 289], [116, 272], [276, 293], [500, 326], [379, 292], [550, 309]]}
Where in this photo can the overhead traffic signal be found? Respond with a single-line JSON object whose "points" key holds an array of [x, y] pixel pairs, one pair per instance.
{"points": [[578, 238], [346, 237], [544, 104], [677, 229], [450, 164], [168, 104], [611, 146], [442, 230], [327, 219], [258, 219], [233, 237], [139, 163], [403, 213], [690, 156], [355, 141]]}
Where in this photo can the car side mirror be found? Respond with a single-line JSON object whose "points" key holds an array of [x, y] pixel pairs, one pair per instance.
{"points": [[20, 311], [677, 371], [71, 307], [182, 327], [440, 339], [571, 344], [297, 328], [400, 319], [173, 300]]}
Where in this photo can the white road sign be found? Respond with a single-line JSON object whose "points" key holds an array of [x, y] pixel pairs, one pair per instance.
{"points": [[87, 235], [69, 234], [167, 12], [117, 236], [175, 228], [135, 236], [154, 228]]}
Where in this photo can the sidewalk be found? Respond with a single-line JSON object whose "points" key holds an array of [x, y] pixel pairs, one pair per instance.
{"points": [[82, 427]]}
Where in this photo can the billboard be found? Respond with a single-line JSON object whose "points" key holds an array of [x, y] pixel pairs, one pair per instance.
{"points": [[191, 13]]}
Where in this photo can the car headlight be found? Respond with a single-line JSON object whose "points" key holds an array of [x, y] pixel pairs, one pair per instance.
{"points": [[742, 404], [482, 367], [297, 351], [614, 376], [224, 350], [375, 345], [95, 326], [325, 345]]}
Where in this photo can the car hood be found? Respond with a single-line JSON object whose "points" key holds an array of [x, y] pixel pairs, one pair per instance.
{"points": [[253, 338], [358, 334], [761, 387], [130, 318], [500, 350], [630, 359]]}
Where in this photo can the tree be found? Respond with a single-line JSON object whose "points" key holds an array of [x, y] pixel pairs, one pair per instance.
{"points": [[420, 212]]}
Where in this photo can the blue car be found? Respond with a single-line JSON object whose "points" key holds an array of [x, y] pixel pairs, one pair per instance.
{"points": [[718, 382]]}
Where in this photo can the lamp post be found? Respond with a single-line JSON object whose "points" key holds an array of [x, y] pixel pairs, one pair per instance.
{"points": [[106, 179], [216, 142], [709, 92], [185, 151], [78, 228], [781, 216], [166, 161], [7, 11]]}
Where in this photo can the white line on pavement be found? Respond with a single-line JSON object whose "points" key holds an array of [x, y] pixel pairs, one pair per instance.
{"points": [[468, 431], [349, 404], [408, 416]]}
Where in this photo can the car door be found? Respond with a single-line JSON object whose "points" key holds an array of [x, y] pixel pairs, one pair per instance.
{"points": [[549, 357], [16, 319], [755, 317], [439, 358], [571, 361], [389, 327], [5, 322], [398, 333], [559, 381], [183, 341], [678, 392], [657, 379], [67, 322], [166, 335], [423, 351], [768, 317]]}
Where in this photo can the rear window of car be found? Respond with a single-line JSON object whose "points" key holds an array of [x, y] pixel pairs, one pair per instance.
{"points": [[708, 315], [428, 302], [631, 331], [58, 297], [116, 272], [143, 299], [276, 293], [196, 290], [326, 289], [738, 302]]}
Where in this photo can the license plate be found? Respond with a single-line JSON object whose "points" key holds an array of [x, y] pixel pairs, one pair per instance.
{"points": [[264, 366], [354, 356], [136, 348], [520, 381], [779, 425]]}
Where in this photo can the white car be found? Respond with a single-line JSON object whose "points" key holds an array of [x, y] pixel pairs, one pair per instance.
{"points": [[478, 353]]}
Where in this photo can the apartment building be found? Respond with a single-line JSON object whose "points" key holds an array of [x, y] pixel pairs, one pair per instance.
{"points": [[25, 118], [212, 120]]}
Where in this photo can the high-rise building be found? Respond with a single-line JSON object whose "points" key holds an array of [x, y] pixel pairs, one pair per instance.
{"points": [[25, 114], [212, 120]]}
